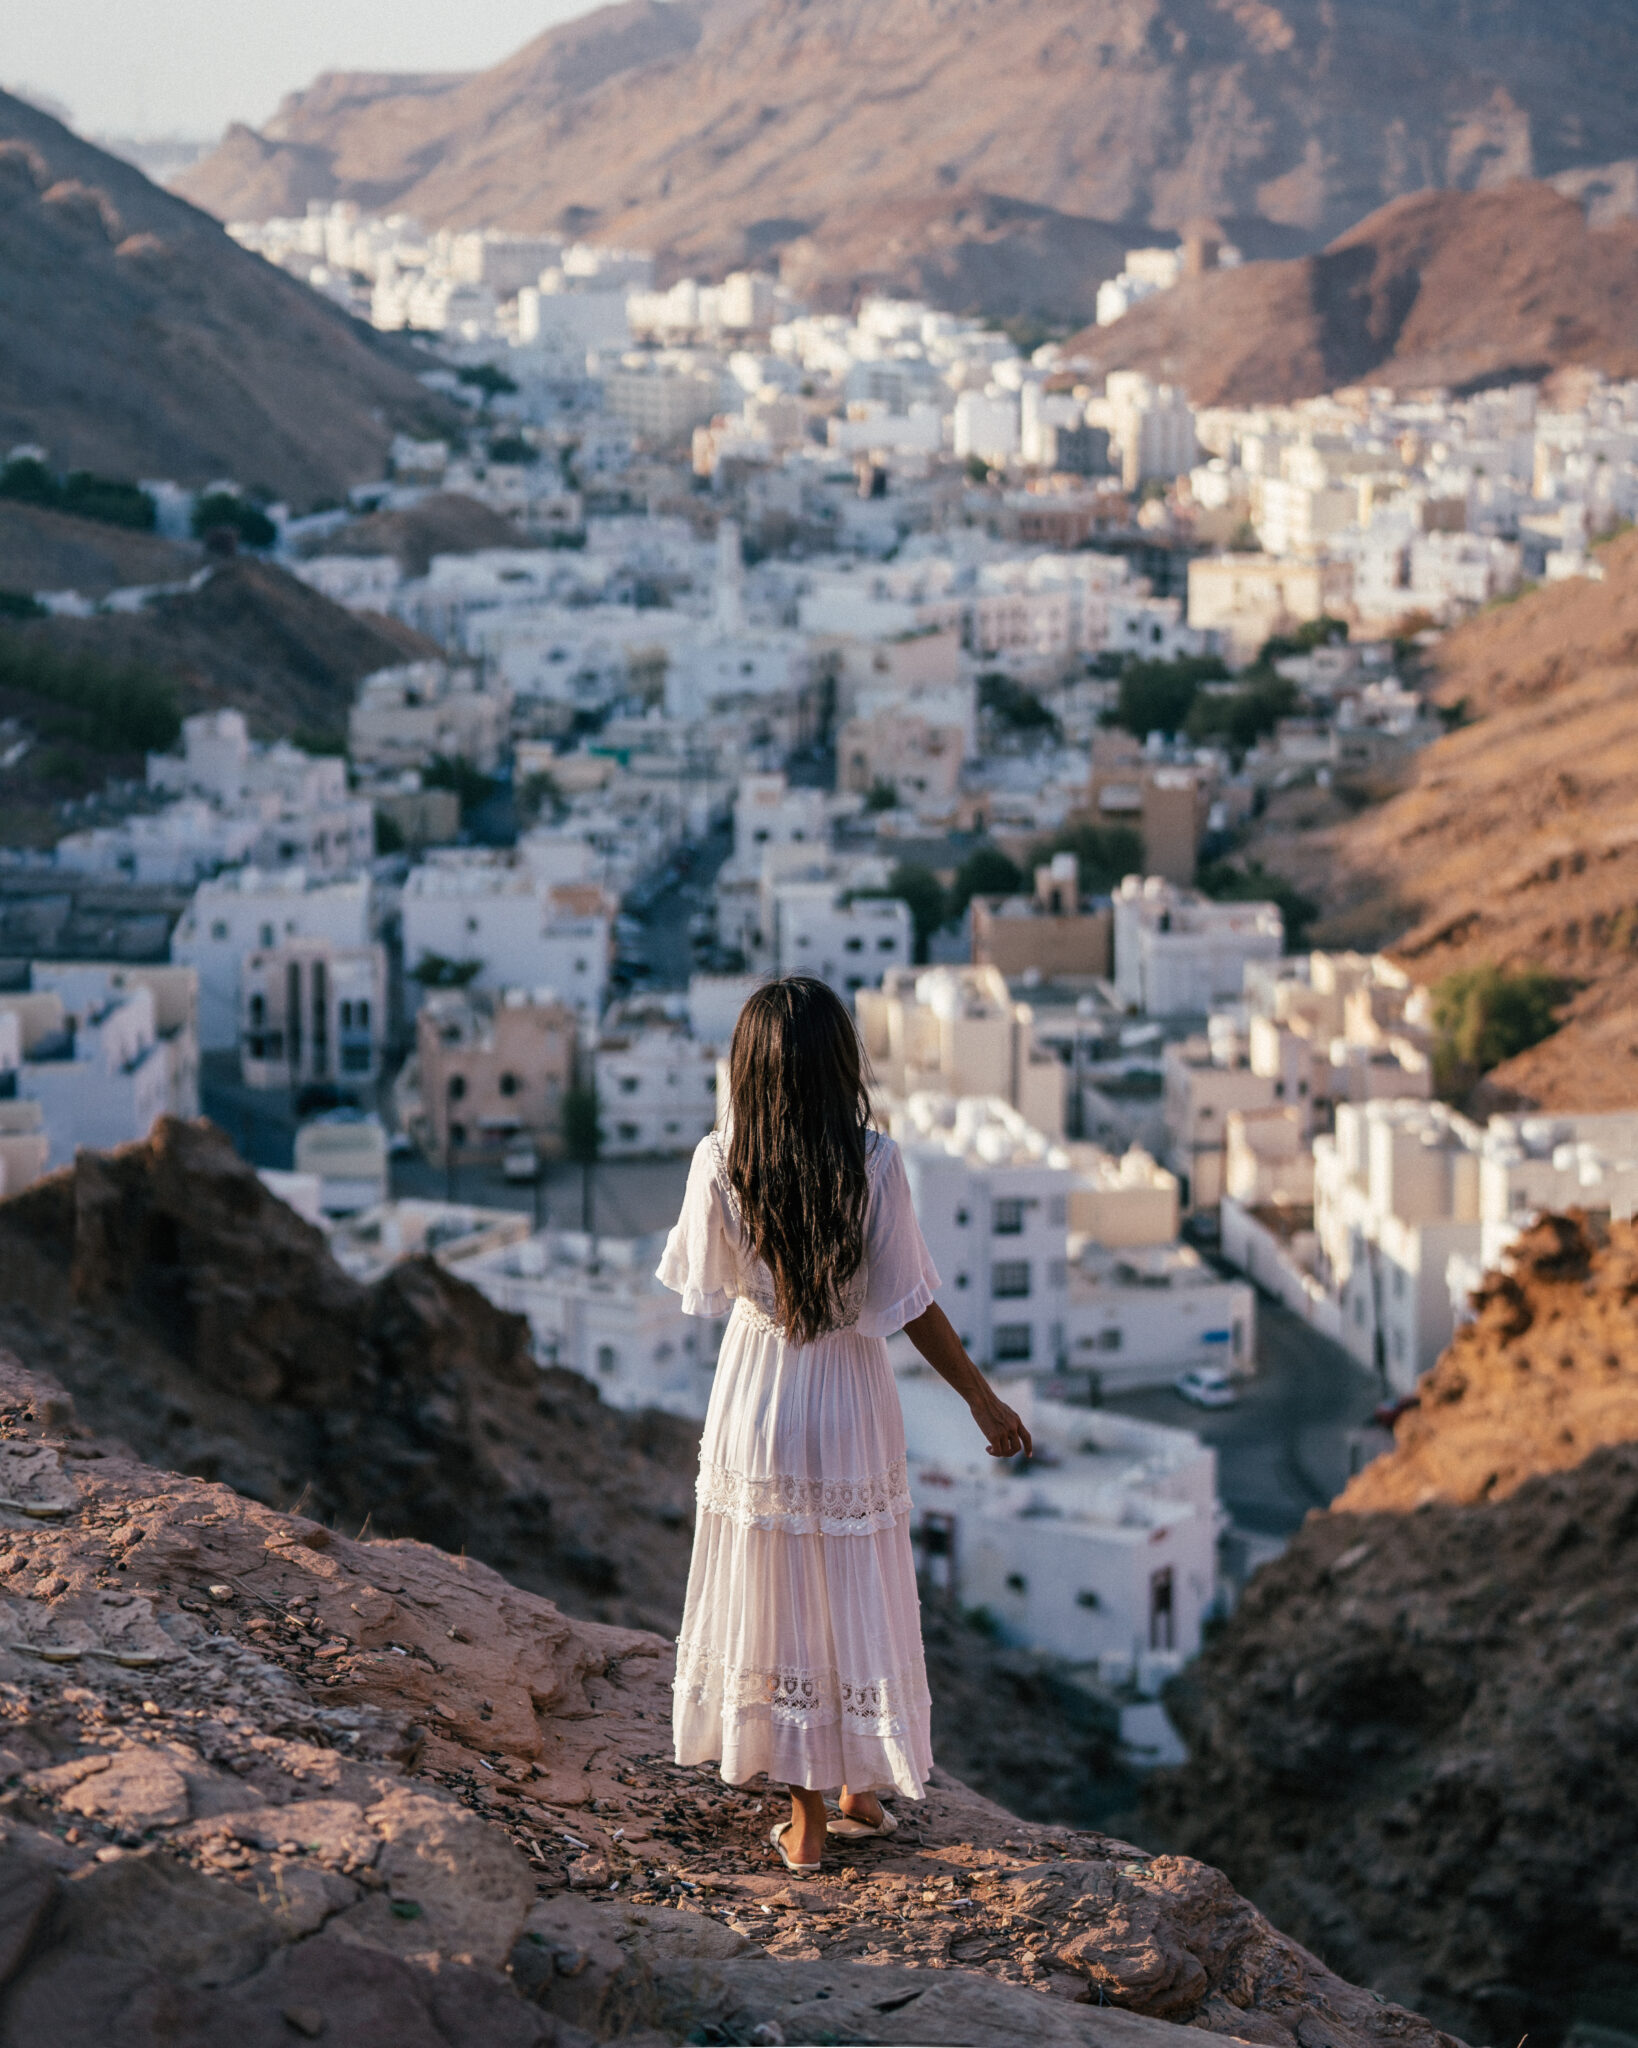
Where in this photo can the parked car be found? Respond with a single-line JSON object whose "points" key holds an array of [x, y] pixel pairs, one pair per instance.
{"points": [[520, 1162], [1207, 1387], [1386, 1413]]}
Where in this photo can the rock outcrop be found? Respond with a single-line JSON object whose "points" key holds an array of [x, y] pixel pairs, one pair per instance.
{"points": [[1413, 1742], [195, 1315], [260, 1781]]}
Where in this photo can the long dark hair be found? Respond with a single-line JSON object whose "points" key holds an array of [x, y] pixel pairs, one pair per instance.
{"points": [[796, 1146]]}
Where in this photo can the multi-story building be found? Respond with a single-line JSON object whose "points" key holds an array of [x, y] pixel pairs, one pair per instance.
{"points": [[313, 1012], [408, 715], [1206, 1079], [656, 1084], [957, 1031], [1102, 1547], [492, 1067], [849, 941], [88, 985], [100, 1074], [1178, 953], [594, 1307], [488, 919], [1139, 1315], [253, 910]]}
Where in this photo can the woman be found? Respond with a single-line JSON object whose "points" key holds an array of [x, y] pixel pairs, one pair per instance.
{"points": [[800, 1653]]}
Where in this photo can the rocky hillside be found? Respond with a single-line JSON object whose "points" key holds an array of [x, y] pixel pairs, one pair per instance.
{"points": [[1516, 840], [137, 340], [1458, 288], [722, 130], [264, 1782], [1412, 1744]]}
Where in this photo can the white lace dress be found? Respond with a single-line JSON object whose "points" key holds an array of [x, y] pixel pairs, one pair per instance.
{"points": [[800, 1653]]}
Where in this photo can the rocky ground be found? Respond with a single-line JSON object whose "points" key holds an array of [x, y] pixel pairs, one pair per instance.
{"points": [[1413, 1743], [264, 1782]]}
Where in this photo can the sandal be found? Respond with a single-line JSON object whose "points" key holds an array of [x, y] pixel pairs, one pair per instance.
{"points": [[796, 1869], [852, 1830]]}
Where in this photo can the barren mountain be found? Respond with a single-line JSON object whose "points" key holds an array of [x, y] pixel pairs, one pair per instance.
{"points": [[1453, 288], [721, 130], [1412, 1743], [1516, 840], [137, 340], [44, 550], [267, 1782], [446, 523]]}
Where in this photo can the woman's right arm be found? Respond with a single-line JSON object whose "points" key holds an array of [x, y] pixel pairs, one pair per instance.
{"points": [[934, 1337]]}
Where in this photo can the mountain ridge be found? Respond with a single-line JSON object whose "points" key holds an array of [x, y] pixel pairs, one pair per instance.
{"points": [[137, 339], [716, 132]]}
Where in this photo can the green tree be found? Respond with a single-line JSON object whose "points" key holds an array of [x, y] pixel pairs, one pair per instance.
{"points": [[1011, 705], [1157, 696], [113, 707], [923, 892], [541, 796], [489, 378], [389, 834], [217, 510], [1104, 854], [978, 470], [1324, 631], [1254, 883], [455, 772], [1485, 1015], [986, 871], [881, 796], [436, 970], [512, 448], [583, 1142], [1239, 718]]}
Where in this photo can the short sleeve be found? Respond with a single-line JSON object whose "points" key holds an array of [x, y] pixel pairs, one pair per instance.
{"points": [[698, 1262], [900, 1277]]}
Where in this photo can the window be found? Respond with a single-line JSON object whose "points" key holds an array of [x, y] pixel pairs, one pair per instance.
{"points": [[1160, 1609], [1111, 1340], [1009, 1219], [887, 945], [355, 1059], [1014, 1343], [267, 934], [509, 1084], [457, 1087], [1087, 1598], [219, 930], [1010, 1279], [1017, 1583], [628, 1084], [854, 945], [258, 1012], [607, 1359], [962, 1219], [457, 1134], [629, 1134]]}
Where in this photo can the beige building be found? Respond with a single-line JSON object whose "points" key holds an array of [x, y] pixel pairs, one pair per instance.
{"points": [[312, 1011], [1165, 805], [1122, 1203], [957, 1031], [493, 1069], [422, 817], [1268, 1159], [1054, 932], [408, 715], [25, 1144], [913, 755], [1245, 599]]}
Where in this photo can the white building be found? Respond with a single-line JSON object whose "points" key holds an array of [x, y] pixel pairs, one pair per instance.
{"points": [[251, 910], [1139, 1316], [1177, 953], [1405, 1188], [101, 1076], [1103, 1548], [347, 1153], [85, 986], [847, 941], [464, 906], [594, 1307], [656, 1084]]}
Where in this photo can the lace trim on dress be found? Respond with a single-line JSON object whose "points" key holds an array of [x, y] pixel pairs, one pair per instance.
{"points": [[806, 1507], [800, 1696]]}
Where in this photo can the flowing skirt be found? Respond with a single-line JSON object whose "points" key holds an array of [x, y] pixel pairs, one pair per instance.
{"points": [[800, 1653]]}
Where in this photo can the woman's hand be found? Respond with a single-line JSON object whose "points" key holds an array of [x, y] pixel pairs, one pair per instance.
{"points": [[1003, 1431]]}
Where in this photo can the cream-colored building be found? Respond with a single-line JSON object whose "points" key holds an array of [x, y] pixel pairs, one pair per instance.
{"points": [[1268, 1158], [408, 715], [957, 1031], [313, 1012], [1246, 599], [911, 752]]}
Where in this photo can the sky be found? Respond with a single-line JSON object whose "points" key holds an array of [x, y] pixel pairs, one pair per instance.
{"points": [[188, 67]]}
